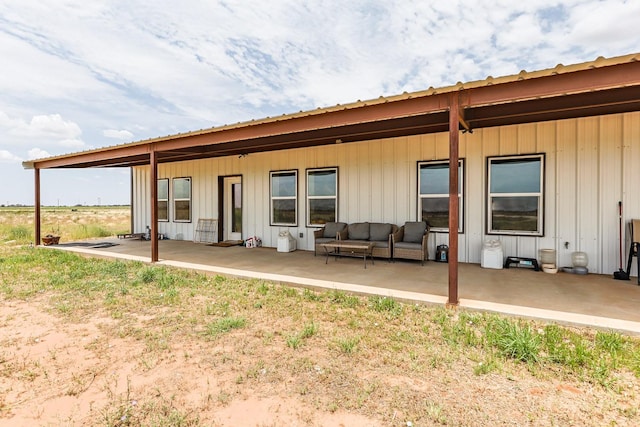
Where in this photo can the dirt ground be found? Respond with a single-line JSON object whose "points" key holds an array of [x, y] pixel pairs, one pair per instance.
{"points": [[60, 373]]}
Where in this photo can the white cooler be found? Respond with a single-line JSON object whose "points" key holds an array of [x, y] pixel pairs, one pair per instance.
{"points": [[286, 242], [491, 256]]}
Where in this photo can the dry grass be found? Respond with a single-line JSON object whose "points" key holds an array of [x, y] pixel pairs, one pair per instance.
{"points": [[71, 223]]}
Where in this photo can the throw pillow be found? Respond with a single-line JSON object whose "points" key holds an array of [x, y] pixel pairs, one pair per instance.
{"points": [[378, 232], [359, 231], [332, 228], [413, 231]]}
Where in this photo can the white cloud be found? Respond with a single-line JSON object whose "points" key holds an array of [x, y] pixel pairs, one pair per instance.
{"points": [[7, 157], [51, 128], [7, 122], [51, 125], [599, 25], [122, 135], [37, 153], [72, 143], [76, 74]]}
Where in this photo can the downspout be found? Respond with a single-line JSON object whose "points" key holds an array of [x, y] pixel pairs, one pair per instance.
{"points": [[454, 136], [37, 205], [153, 182]]}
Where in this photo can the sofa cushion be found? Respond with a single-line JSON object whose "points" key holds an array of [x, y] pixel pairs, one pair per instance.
{"points": [[408, 245], [332, 228], [378, 231], [359, 231], [413, 231], [321, 240]]}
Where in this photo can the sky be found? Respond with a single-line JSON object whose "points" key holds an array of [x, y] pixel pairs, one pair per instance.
{"points": [[82, 74]]}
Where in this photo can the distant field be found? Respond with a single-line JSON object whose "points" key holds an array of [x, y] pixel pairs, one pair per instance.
{"points": [[69, 222]]}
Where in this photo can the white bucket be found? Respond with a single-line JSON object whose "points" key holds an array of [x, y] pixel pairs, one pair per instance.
{"points": [[491, 256]]}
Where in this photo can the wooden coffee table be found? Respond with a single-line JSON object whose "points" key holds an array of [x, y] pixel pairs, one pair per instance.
{"points": [[339, 248]]}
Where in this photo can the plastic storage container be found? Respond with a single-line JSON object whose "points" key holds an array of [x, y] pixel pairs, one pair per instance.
{"points": [[547, 256], [286, 242], [579, 259], [491, 256], [548, 260]]}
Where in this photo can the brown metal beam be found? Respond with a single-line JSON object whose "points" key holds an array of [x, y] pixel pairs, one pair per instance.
{"points": [[313, 122], [377, 130], [131, 210], [465, 125], [117, 162], [36, 205], [594, 79], [556, 108], [219, 143], [153, 184], [454, 137], [95, 157], [554, 115]]}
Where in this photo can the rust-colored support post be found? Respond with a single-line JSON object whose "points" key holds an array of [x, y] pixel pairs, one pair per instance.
{"points": [[153, 183], [37, 206], [131, 218], [454, 137]]}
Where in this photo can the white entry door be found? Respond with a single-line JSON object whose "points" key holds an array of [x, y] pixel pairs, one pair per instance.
{"points": [[232, 208]]}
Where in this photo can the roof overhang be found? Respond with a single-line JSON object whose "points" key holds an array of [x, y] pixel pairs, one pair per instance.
{"points": [[596, 88]]}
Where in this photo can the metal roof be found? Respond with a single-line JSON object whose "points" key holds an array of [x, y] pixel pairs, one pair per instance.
{"points": [[603, 86]]}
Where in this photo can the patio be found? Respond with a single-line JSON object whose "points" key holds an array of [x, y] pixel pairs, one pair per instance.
{"points": [[593, 300]]}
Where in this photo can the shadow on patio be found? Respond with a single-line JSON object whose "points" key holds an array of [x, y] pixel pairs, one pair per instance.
{"points": [[594, 300]]}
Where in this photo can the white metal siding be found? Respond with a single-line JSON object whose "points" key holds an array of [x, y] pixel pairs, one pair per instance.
{"points": [[591, 164]]}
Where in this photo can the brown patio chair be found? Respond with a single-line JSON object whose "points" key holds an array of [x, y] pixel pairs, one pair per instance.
{"points": [[410, 241], [331, 231]]}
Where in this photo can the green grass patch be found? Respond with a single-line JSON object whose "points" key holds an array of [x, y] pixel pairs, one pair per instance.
{"points": [[20, 233], [343, 299], [296, 340], [386, 305], [514, 339], [224, 325], [610, 342], [348, 345]]}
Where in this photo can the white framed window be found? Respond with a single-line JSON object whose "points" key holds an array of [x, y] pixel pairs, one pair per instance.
{"points": [[163, 199], [182, 199], [284, 197], [515, 195], [433, 194], [322, 196]]}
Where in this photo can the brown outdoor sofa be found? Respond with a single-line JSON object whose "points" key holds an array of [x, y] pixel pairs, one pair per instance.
{"points": [[376, 232], [410, 241]]}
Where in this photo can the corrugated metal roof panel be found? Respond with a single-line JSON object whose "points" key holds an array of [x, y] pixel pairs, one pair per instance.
{"points": [[431, 91]]}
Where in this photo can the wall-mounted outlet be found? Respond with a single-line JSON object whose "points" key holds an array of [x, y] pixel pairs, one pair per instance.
{"points": [[301, 235]]}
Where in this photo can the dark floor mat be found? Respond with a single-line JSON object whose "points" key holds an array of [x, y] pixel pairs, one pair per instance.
{"points": [[94, 245], [226, 243]]}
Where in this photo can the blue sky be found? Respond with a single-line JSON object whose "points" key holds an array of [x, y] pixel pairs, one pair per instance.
{"points": [[83, 74]]}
